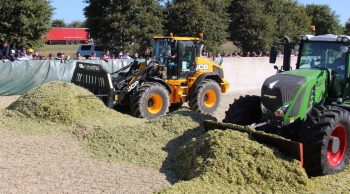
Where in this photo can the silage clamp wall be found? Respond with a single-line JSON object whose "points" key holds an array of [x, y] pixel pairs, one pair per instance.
{"points": [[20, 76]]}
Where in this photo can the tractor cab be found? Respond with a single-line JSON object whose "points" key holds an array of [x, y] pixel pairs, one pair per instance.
{"points": [[177, 54], [330, 53]]}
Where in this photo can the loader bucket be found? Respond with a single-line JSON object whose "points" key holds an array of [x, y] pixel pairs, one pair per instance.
{"points": [[289, 148], [96, 79]]}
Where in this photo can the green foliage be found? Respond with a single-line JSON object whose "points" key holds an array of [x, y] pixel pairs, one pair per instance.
{"points": [[291, 18], [325, 20], [76, 24], [347, 27], [190, 17], [24, 22], [124, 24], [266, 22], [58, 23], [251, 31]]}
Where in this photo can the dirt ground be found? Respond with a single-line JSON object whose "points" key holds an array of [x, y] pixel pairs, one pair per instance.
{"points": [[56, 164]]}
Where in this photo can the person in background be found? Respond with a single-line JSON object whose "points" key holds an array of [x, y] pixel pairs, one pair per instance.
{"points": [[93, 56], [4, 50], [136, 56], [36, 56], [58, 56], [218, 59], [126, 55], [78, 56], [51, 56], [30, 53], [105, 57]]}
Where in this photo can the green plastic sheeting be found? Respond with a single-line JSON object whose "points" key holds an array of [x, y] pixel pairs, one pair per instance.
{"points": [[18, 77]]}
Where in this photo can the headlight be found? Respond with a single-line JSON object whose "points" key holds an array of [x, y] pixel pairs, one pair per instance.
{"points": [[281, 111]]}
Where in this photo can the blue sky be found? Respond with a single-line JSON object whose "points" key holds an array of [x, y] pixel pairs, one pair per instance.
{"points": [[72, 10]]}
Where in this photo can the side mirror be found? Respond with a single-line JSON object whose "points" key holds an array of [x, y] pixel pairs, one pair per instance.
{"points": [[275, 67], [273, 54]]}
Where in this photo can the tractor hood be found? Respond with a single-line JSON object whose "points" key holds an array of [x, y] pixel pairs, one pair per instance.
{"points": [[289, 92]]}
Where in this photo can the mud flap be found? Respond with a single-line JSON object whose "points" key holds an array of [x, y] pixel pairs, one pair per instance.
{"points": [[288, 147]]}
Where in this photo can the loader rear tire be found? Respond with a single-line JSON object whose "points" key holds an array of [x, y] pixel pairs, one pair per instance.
{"points": [[244, 111], [322, 125], [206, 98], [150, 101]]}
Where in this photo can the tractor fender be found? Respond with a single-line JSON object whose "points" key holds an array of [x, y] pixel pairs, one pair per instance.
{"points": [[211, 76], [161, 81]]}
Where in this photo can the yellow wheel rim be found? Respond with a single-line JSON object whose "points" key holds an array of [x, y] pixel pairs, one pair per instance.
{"points": [[210, 98], [154, 104]]}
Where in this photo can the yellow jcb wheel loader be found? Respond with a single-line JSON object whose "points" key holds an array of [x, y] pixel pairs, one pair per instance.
{"points": [[176, 73]]}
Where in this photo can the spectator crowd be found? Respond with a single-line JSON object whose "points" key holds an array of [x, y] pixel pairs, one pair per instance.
{"points": [[30, 54]]}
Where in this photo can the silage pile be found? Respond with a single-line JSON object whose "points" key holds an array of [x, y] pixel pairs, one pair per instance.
{"points": [[58, 107], [231, 162], [60, 102], [213, 162], [150, 144]]}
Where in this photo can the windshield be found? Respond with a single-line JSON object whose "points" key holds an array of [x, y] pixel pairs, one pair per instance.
{"points": [[162, 49], [329, 55]]}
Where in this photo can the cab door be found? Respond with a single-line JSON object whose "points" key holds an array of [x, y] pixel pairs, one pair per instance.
{"points": [[186, 59]]}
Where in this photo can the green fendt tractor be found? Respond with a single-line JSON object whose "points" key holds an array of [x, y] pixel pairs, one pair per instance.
{"points": [[309, 105]]}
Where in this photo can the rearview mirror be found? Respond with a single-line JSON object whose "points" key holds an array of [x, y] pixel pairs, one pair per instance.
{"points": [[273, 54]]}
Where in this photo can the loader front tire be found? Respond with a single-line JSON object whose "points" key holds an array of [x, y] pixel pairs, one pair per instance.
{"points": [[206, 98], [244, 111], [150, 101], [326, 139]]}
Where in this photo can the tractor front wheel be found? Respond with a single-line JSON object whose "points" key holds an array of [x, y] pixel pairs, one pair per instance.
{"points": [[244, 111], [206, 98], [150, 101], [326, 139]]}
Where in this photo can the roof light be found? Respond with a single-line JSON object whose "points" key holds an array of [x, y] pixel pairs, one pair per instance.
{"points": [[345, 39]]}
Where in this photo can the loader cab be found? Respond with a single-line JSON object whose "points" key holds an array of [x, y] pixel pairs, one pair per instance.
{"points": [[178, 54], [331, 53]]}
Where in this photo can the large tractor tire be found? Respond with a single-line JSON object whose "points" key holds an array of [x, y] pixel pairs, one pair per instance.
{"points": [[326, 139], [244, 111], [206, 98], [150, 101]]}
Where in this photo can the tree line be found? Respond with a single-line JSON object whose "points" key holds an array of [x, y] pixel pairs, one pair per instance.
{"points": [[253, 25]]}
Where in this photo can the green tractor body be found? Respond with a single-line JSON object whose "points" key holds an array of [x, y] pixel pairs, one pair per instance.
{"points": [[310, 105], [290, 95], [321, 77]]}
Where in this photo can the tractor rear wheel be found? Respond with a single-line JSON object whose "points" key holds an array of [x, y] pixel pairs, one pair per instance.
{"points": [[244, 111], [206, 98], [150, 101], [326, 139]]}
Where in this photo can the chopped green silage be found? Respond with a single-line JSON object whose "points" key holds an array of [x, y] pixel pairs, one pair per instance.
{"points": [[59, 102], [230, 161], [18, 122], [150, 143], [107, 134], [214, 162]]}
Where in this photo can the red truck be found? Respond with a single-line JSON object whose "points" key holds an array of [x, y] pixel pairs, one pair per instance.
{"points": [[67, 36]]}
